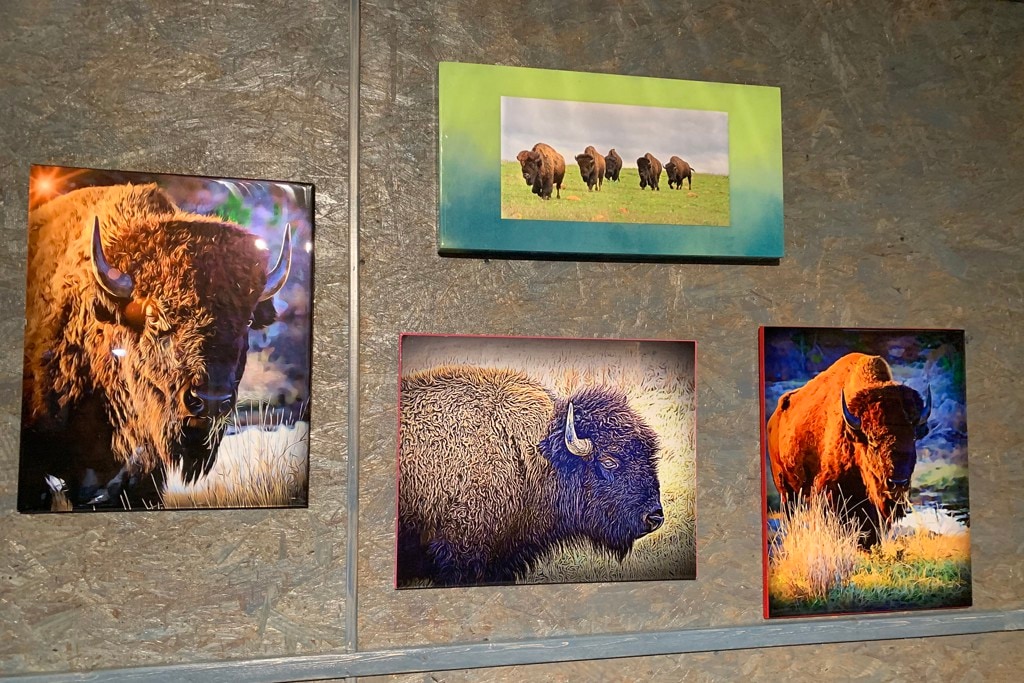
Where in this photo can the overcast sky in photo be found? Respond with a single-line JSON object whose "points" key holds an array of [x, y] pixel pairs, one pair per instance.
{"points": [[699, 137]]}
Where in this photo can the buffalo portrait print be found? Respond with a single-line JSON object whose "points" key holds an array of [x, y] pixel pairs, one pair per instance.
{"points": [[167, 342], [864, 438], [526, 460]]}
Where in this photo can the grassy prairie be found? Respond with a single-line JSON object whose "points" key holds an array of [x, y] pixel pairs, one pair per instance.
{"points": [[618, 202], [816, 567], [661, 389]]}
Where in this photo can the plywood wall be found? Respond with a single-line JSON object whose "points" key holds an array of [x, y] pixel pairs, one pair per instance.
{"points": [[903, 153]]}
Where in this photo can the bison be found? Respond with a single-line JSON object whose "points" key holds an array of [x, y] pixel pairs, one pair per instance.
{"points": [[849, 433], [650, 171], [495, 470], [591, 168], [137, 328], [612, 165], [676, 169], [543, 168]]}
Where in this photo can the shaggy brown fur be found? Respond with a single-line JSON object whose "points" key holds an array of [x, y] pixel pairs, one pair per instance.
{"points": [[812, 448], [676, 169], [197, 281], [591, 168], [543, 169]]}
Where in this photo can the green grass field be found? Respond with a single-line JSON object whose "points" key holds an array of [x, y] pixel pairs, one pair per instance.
{"points": [[618, 202]]}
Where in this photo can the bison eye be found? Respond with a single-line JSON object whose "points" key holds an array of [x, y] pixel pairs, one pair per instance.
{"points": [[251, 321], [608, 463]]}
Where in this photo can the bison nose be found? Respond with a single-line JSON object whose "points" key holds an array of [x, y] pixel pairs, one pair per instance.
{"points": [[654, 520], [208, 404], [899, 483]]}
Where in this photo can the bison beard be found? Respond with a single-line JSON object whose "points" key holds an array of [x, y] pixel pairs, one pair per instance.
{"points": [[494, 471], [136, 338], [850, 433]]}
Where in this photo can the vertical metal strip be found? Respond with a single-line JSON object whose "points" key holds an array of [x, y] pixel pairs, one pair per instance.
{"points": [[352, 489]]}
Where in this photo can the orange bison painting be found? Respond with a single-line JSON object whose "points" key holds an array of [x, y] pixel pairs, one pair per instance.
{"points": [[850, 432], [864, 437], [141, 317]]}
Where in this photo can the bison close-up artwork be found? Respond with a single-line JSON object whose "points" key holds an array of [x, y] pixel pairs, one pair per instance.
{"points": [[527, 460], [865, 455], [167, 342]]}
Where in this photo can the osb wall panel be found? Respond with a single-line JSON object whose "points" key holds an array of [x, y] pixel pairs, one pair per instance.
{"points": [[902, 146], [966, 659], [903, 207], [241, 89]]}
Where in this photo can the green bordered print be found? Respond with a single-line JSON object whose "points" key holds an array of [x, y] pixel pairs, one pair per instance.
{"points": [[729, 206]]}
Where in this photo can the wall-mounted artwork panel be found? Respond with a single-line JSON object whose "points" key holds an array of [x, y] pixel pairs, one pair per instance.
{"points": [[558, 163], [167, 342], [537, 460], [866, 504]]}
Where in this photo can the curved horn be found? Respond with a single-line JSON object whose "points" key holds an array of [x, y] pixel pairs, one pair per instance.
{"points": [[279, 275], [576, 445], [852, 420], [110, 279]]}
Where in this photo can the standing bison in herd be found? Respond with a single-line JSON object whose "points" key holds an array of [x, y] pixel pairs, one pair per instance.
{"points": [[851, 434], [612, 165], [649, 169], [544, 168], [677, 170], [495, 470], [137, 328], [592, 168]]}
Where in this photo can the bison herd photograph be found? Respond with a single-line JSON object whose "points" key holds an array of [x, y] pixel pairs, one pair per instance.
{"points": [[865, 470], [167, 342], [596, 162], [530, 460]]}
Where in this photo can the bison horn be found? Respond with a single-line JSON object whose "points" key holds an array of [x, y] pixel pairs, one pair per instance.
{"points": [[852, 420], [279, 275], [576, 445], [114, 282]]}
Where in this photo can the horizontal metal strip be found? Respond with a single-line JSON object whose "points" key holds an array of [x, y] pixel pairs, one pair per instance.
{"points": [[548, 650]]}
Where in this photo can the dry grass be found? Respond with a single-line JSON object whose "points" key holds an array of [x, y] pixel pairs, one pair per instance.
{"points": [[265, 465], [816, 566], [815, 551]]}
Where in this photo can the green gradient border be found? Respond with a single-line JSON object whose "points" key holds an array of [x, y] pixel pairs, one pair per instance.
{"points": [[469, 113]]}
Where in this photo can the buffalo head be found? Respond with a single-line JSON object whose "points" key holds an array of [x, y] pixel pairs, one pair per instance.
{"points": [[599, 445], [176, 313], [884, 423], [531, 163]]}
